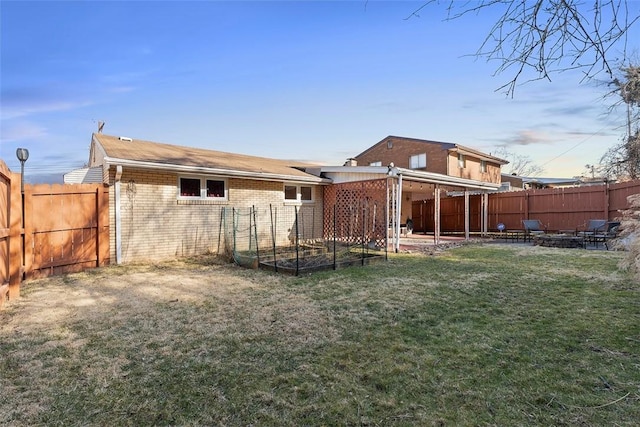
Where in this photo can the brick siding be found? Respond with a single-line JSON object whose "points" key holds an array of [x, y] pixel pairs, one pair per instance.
{"points": [[156, 225]]}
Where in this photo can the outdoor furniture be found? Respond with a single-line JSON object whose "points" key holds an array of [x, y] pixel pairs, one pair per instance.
{"points": [[594, 226], [558, 241], [532, 227], [610, 231]]}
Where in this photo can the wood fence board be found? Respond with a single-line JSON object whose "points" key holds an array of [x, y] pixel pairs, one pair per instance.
{"points": [[16, 235], [5, 192]]}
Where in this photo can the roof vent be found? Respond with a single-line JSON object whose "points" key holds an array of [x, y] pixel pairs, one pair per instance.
{"points": [[125, 138]]}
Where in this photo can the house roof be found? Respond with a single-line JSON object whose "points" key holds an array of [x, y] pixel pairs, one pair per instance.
{"points": [[449, 146], [153, 155]]}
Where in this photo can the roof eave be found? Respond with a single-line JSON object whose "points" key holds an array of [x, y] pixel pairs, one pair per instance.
{"points": [[478, 154], [217, 171], [433, 178]]}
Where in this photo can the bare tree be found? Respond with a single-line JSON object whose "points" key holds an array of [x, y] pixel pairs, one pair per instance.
{"points": [[519, 164], [550, 36], [622, 161]]}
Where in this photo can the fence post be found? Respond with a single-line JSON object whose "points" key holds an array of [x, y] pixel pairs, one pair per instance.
{"points": [[98, 224], [606, 200]]}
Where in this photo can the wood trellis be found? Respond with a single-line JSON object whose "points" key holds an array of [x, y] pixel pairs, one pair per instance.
{"points": [[361, 213]]}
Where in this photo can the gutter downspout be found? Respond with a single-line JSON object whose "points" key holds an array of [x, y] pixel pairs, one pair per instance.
{"points": [[118, 215]]}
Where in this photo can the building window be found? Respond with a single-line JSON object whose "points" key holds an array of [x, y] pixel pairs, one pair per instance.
{"points": [[375, 163], [389, 144], [298, 193], [418, 161], [483, 166], [202, 188], [290, 192], [462, 161], [306, 193], [189, 187]]}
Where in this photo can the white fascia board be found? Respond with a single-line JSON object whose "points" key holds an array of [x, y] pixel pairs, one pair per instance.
{"points": [[413, 175], [436, 178], [216, 171], [383, 170]]}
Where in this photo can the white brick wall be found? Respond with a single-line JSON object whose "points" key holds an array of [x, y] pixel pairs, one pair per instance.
{"points": [[156, 225]]}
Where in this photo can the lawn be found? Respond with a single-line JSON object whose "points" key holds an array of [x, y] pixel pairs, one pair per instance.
{"points": [[477, 335]]}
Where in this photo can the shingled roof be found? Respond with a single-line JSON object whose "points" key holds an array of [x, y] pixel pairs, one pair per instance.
{"points": [[148, 154]]}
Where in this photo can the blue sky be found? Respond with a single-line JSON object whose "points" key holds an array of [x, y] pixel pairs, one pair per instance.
{"points": [[313, 81]]}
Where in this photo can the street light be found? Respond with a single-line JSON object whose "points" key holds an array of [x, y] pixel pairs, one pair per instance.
{"points": [[23, 155]]}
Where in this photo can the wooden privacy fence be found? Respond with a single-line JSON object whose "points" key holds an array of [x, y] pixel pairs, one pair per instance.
{"points": [[66, 229], [557, 208], [10, 231]]}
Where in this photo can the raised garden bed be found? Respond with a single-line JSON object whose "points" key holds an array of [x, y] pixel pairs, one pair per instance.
{"points": [[314, 263]]}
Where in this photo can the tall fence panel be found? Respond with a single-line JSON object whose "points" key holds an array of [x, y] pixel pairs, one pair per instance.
{"points": [[618, 194], [66, 228], [557, 208]]}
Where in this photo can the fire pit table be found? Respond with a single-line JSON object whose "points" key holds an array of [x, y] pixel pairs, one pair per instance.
{"points": [[558, 241]]}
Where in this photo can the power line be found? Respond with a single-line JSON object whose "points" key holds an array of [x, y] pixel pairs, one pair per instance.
{"points": [[574, 147]]}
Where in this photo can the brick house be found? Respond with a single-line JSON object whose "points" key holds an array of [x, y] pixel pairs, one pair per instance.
{"points": [[425, 172], [431, 156], [169, 200]]}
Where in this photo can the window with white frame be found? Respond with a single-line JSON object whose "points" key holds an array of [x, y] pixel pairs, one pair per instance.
{"points": [[483, 166], [200, 187], [298, 193], [462, 161], [418, 161], [378, 163]]}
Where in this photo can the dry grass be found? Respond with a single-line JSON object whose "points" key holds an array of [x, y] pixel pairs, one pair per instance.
{"points": [[498, 335]]}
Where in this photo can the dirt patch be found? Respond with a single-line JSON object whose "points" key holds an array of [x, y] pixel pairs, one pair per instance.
{"points": [[120, 292]]}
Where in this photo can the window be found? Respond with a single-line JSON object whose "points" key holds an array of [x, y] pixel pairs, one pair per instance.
{"points": [[298, 193], [290, 192], [462, 161], [375, 163], [305, 194], [483, 166], [215, 188], [189, 187], [202, 188], [389, 144], [418, 161]]}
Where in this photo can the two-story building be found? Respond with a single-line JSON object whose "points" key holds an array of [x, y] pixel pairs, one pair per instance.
{"points": [[422, 171], [432, 156]]}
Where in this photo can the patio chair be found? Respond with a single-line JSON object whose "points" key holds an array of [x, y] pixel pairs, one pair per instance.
{"points": [[609, 231], [532, 227], [594, 226]]}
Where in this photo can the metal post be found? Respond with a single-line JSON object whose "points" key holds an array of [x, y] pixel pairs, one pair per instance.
{"points": [[297, 245], [22, 154], [273, 239], [255, 233], [334, 237]]}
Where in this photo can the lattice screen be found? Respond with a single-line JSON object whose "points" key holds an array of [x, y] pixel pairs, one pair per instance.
{"points": [[356, 213]]}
